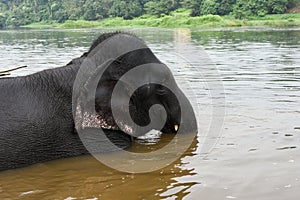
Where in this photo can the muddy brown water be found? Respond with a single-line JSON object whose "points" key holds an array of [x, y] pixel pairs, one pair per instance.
{"points": [[246, 84]]}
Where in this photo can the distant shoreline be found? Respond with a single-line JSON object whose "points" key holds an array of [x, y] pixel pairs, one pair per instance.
{"points": [[207, 21]]}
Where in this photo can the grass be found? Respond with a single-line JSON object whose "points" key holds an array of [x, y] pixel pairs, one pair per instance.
{"points": [[281, 20], [42, 25], [178, 19]]}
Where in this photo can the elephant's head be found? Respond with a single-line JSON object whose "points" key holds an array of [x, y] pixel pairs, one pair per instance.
{"points": [[136, 92]]}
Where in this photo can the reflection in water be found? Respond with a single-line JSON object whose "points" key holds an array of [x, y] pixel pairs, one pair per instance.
{"points": [[182, 35], [85, 177], [257, 156]]}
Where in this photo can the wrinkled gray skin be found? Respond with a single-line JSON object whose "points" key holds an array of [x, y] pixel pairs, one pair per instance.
{"points": [[36, 121]]}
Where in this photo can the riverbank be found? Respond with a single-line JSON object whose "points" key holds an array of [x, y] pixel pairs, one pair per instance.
{"points": [[178, 20]]}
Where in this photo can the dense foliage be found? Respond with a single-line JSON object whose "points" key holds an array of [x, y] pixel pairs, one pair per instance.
{"points": [[22, 12]]}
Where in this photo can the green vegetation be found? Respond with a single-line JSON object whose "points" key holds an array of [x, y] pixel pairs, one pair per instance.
{"points": [[207, 21], [153, 13]]}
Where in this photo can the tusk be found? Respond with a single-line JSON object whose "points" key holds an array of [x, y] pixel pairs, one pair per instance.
{"points": [[176, 127]]}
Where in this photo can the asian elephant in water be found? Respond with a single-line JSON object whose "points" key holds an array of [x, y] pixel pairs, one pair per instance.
{"points": [[38, 121]]}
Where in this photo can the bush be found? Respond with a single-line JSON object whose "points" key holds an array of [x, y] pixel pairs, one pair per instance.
{"points": [[181, 12], [210, 18]]}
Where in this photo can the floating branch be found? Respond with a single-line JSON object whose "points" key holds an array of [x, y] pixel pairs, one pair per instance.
{"points": [[10, 70], [4, 74]]}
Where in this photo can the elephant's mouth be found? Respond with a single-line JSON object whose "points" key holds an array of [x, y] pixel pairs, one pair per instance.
{"points": [[100, 120]]}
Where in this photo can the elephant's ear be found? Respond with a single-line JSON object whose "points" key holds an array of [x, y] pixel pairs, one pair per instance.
{"points": [[85, 88], [106, 88]]}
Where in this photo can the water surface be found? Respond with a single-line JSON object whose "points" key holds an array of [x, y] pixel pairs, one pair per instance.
{"points": [[256, 155]]}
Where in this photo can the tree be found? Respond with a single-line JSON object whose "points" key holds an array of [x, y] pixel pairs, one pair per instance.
{"points": [[127, 9], [2, 20], [3, 7], [277, 6], [73, 8], [22, 12], [216, 7], [209, 7], [244, 9], [93, 10], [225, 7], [159, 7], [193, 5]]}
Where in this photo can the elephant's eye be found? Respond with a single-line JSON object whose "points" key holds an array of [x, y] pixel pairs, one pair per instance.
{"points": [[117, 61], [160, 91]]}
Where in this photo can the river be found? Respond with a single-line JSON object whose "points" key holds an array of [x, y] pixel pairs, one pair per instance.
{"points": [[245, 86]]}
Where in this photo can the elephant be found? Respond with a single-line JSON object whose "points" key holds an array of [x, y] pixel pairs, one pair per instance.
{"points": [[39, 120]]}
